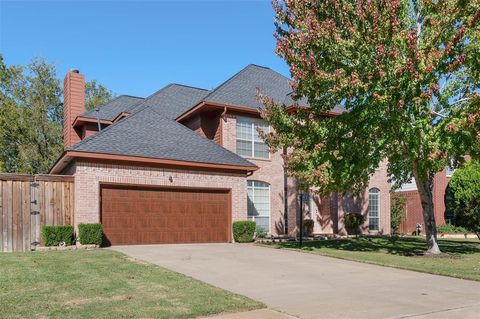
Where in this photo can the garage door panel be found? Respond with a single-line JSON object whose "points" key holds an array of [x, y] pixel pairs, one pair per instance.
{"points": [[134, 215]]}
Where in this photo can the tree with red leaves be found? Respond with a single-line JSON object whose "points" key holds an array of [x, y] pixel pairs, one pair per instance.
{"points": [[408, 73]]}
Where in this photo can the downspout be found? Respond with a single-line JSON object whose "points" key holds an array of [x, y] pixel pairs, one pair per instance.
{"points": [[285, 194], [98, 119], [224, 113]]}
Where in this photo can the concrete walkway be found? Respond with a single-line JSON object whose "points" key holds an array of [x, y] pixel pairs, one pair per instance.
{"points": [[312, 286]]}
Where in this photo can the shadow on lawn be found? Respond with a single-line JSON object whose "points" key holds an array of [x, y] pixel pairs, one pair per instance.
{"points": [[394, 245]]}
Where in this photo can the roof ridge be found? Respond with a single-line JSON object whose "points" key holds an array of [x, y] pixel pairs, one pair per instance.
{"points": [[190, 86], [226, 82], [260, 66], [134, 96]]}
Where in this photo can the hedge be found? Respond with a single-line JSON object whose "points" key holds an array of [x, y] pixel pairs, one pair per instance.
{"points": [[243, 231], [56, 235], [90, 234]]}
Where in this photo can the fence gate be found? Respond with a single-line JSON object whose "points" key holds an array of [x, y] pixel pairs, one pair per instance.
{"points": [[29, 201]]}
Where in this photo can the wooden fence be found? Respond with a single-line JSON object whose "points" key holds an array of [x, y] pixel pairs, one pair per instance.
{"points": [[29, 201]]}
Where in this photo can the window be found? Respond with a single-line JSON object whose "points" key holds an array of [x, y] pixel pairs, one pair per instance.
{"points": [[373, 209], [258, 197], [249, 143]]}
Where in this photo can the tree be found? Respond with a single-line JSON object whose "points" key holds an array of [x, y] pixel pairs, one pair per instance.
{"points": [[464, 193], [407, 72], [31, 121], [96, 95], [31, 117]]}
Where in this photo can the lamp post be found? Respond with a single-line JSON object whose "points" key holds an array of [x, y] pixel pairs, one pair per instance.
{"points": [[301, 191], [300, 240]]}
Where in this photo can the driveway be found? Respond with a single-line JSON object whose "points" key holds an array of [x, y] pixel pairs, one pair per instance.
{"points": [[312, 286]]}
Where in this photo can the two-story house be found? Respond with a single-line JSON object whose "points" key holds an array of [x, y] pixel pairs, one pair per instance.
{"points": [[182, 164]]}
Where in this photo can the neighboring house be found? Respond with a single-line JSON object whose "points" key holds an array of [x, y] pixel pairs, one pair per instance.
{"points": [[183, 163], [413, 207]]}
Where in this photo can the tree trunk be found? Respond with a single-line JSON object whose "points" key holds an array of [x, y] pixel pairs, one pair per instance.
{"points": [[425, 190]]}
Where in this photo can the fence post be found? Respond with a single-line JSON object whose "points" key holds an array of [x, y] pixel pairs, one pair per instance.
{"points": [[34, 215]]}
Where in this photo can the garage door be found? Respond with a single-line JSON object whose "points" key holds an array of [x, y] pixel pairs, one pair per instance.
{"points": [[136, 215]]}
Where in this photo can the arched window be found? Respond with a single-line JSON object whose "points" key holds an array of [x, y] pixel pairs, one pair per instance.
{"points": [[373, 209], [258, 197]]}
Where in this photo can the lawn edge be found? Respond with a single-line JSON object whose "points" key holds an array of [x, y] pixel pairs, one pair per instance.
{"points": [[367, 262]]}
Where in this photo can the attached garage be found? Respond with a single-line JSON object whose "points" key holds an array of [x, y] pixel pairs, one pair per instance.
{"points": [[161, 215]]}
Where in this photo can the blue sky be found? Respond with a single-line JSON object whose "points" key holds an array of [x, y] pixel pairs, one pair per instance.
{"points": [[137, 47]]}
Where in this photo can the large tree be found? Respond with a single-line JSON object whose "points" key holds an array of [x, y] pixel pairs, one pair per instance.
{"points": [[31, 116], [96, 95], [406, 71]]}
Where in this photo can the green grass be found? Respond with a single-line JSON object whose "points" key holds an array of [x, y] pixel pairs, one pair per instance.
{"points": [[460, 258], [104, 284]]}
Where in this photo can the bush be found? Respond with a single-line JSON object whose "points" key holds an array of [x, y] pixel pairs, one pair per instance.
{"points": [[397, 212], [90, 234], [260, 232], [464, 196], [56, 235], [353, 221], [451, 229], [243, 231], [308, 226]]}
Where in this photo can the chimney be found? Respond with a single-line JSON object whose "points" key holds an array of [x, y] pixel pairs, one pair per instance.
{"points": [[73, 105]]}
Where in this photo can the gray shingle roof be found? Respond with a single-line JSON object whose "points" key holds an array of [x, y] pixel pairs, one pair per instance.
{"points": [[173, 100], [122, 103], [147, 133], [241, 88]]}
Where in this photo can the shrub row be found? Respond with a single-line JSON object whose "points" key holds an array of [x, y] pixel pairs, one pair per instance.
{"points": [[64, 235], [451, 229]]}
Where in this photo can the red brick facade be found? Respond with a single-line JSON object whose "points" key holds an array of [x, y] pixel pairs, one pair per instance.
{"points": [[413, 209], [74, 105], [328, 212]]}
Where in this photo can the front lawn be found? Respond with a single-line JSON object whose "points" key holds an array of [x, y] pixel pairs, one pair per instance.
{"points": [[104, 284], [460, 258]]}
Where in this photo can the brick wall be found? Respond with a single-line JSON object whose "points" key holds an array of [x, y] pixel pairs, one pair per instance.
{"points": [[328, 211], [359, 204], [88, 177], [414, 210], [271, 172]]}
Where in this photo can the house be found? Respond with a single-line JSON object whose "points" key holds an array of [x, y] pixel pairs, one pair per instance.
{"points": [[182, 164], [413, 204]]}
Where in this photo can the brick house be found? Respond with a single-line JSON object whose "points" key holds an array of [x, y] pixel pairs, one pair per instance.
{"points": [[183, 163]]}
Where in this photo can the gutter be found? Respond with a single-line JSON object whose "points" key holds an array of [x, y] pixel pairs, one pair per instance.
{"points": [[67, 156]]}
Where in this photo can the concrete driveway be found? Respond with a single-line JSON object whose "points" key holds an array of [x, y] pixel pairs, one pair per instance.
{"points": [[312, 286]]}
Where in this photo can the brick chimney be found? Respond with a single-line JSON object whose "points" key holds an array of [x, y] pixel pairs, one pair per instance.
{"points": [[73, 106]]}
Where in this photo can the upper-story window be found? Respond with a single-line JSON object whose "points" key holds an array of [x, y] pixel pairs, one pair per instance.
{"points": [[249, 143]]}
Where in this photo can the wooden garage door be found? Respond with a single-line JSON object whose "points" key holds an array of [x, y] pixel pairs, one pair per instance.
{"points": [[135, 215]]}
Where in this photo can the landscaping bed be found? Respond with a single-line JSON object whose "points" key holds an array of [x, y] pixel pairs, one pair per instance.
{"points": [[102, 283], [460, 258]]}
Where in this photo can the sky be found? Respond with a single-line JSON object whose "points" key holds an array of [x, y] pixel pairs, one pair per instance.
{"points": [[137, 47]]}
